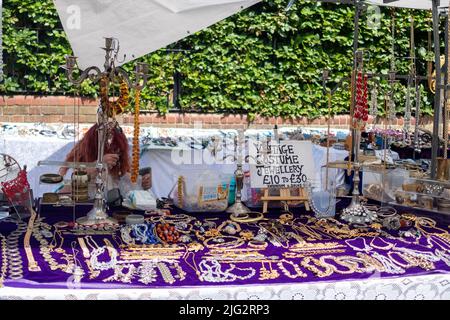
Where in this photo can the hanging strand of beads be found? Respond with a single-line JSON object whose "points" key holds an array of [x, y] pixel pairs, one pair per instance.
{"points": [[392, 74], [361, 114], [374, 101], [391, 109], [407, 118], [180, 186], [411, 78], [136, 151]]}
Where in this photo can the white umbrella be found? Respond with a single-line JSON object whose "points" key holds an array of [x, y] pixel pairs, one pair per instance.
{"points": [[142, 26]]}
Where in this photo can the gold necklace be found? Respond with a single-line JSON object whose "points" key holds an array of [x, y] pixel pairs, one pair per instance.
{"points": [[274, 273], [371, 261], [402, 256], [287, 273], [84, 248], [60, 249], [192, 265], [351, 267], [264, 274], [4, 267], [32, 263], [388, 247], [355, 261], [303, 254], [45, 250], [237, 242], [314, 268]]}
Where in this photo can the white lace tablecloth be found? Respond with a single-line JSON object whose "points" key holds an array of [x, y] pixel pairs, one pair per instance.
{"points": [[430, 287]]}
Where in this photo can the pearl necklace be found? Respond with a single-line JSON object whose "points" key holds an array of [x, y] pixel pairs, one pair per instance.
{"points": [[97, 265], [298, 272], [366, 247], [214, 273], [147, 272], [443, 256], [4, 259], [429, 256], [388, 264], [125, 234], [120, 275]]}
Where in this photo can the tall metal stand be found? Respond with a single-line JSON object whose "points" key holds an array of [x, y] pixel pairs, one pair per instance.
{"points": [[437, 96], [356, 213], [98, 213]]}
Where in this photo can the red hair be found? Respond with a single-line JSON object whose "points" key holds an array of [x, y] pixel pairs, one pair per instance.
{"points": [[86, 149]]}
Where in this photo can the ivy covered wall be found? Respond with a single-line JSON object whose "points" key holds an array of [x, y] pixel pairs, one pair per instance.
{"points": [[262, 61]]}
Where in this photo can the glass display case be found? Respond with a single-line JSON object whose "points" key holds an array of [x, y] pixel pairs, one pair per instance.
{"points": [[401, 187]]}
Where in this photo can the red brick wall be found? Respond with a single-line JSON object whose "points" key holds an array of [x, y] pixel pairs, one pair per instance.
{"points": [[61, 109]]}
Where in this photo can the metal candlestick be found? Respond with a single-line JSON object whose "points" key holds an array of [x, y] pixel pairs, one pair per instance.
{"points": [[98, 213], [356, 213], [238, 209]]}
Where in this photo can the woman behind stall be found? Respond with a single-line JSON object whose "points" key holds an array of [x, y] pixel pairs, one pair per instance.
{"points": [[116, 158]]}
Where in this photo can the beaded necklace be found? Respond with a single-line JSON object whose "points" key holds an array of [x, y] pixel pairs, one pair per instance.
{"points": [[4, 266]]}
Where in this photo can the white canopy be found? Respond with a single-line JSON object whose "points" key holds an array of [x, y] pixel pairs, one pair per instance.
{"points": [[412, 4], [142, 26]]}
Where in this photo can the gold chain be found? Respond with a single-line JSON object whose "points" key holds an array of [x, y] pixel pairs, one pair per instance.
{"points": [[4, 267], [32, 264], [135, 154]]}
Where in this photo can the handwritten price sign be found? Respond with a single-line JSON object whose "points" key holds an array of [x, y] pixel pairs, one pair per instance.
{"points": [[284, 164]]}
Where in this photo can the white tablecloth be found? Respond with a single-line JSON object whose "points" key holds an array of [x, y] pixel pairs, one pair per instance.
{"points": [[430, 287], [163, 161]]}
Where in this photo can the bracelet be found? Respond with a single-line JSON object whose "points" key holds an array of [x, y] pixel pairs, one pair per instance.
{"points": [[385, 212], [84, 248], [51, 178], [260, 245], [230, 227], [314, 267], [237, 242], [134, 219], [257, 216]]}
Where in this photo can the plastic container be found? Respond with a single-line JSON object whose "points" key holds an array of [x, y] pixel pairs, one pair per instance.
{"points": [[201, 191]]}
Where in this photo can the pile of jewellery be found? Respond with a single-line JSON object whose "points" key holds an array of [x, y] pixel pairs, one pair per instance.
{"points": [[181, 249]]}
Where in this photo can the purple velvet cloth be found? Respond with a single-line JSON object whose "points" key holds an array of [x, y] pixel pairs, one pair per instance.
{"points": [[58, 279]]}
